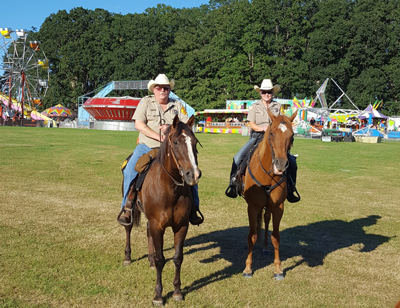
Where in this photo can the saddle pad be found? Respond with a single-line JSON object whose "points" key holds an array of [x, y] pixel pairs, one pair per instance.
{"points": [[144, 160]]}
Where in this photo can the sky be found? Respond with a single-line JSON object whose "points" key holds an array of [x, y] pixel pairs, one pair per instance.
{"points": [[25, 14]]}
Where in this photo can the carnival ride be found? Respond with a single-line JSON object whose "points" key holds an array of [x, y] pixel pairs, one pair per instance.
{"points": [[25, 74], [115, 113], [326, 114]]}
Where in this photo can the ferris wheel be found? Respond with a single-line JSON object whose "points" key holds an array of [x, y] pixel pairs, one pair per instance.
{"points": [[24, 72]]}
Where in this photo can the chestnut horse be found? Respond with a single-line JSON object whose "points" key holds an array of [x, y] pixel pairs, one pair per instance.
{"points": [[264, 186], [166, 201]]}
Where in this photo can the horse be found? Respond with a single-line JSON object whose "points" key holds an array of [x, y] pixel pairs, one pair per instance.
{"points": [[267, 190], [166, 200]]}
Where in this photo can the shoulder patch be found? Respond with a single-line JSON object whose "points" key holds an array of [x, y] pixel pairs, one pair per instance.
{"points": [[183, 110]]}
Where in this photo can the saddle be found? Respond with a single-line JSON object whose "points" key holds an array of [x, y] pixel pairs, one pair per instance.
{"points": [[142, 167], [243, 165]]}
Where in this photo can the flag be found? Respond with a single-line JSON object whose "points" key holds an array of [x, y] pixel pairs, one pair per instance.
{"points": [[303, 103], [375, 104], [296, 103], [312, 103], [381, 103]]}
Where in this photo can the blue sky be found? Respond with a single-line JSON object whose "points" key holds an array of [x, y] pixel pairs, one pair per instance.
{"points": [[23, 14]]}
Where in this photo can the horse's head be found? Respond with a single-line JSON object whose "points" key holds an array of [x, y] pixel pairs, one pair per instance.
{"points": [[183, 146], [280, 137]]}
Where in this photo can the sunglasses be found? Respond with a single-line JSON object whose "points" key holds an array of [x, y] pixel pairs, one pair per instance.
{"points": [[266, 92], [160, 88]]}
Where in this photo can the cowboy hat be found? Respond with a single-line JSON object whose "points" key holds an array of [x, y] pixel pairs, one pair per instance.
{"points": [[161, 79], [267, 85]]}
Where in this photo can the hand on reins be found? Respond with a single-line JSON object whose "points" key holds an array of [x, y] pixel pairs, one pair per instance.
{"points": [[163, 128]]}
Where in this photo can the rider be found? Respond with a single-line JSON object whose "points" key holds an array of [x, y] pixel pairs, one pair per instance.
{"points": [[259, 123], [154, 114]]}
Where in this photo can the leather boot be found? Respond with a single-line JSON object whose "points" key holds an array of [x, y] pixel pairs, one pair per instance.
{"points": [[125, 217]]}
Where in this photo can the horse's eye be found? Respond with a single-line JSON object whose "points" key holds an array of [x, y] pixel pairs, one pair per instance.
{"points": [[175, 142]]}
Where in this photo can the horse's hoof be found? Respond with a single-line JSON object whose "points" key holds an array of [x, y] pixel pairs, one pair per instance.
{"points": [[158, 303], [248, 275], [279, 276], [178, 297], [127, 262], [152, 267]]}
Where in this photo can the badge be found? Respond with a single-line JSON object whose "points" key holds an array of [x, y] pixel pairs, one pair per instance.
{"points": [[175, 112]]}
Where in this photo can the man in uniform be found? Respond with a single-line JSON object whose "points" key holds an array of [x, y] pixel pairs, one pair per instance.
{"points": [[154, 114]]}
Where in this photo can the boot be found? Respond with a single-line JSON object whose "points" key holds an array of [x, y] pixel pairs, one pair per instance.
{"points": [[125, 217], [231, 191]]}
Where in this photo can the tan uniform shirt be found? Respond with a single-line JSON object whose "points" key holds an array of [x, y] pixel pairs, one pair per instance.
{"points": [[150, 112], [258, 113]]}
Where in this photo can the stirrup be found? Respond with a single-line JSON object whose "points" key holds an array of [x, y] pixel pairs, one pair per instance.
{"points": [[125, 209], [196, 223], [231, 191], [292, 198]]}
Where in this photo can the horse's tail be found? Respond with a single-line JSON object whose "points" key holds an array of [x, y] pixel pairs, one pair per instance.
{"points": [[136, 216]]}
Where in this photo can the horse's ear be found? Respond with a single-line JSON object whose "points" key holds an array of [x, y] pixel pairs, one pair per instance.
{"points": [[190, 122], [293, 116], [175, 122], [271, 115]]}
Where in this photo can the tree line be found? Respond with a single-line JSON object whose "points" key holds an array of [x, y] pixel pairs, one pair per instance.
{"points": [[219, 51]]}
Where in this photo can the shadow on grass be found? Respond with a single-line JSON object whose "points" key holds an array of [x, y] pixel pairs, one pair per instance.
{"points": [[311, 242]]}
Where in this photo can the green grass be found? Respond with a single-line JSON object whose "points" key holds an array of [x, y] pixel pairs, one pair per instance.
{"points": [[60, 244]]}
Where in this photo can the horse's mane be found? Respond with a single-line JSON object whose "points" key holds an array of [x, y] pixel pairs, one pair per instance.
{"points": [[181, 127]]}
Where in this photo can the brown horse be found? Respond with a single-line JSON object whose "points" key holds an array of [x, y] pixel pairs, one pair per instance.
{"points": [[264, 185], [166, 201]]}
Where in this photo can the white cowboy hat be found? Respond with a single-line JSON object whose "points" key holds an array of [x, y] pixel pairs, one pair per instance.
{"points": [[267, 85], [161, 79]]}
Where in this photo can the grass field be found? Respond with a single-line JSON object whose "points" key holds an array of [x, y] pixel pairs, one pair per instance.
{"points": [[60, 244]]}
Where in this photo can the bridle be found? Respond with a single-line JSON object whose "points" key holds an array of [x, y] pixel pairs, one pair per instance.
{"points": [[177, 183]]}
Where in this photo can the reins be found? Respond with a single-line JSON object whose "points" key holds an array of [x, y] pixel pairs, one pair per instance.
{"points": [[177, 164], [268, 188]]}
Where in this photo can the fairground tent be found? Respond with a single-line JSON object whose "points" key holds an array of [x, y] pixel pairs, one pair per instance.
{"points": [[371, 111]]}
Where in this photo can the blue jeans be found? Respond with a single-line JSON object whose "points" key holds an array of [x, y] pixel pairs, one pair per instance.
{"points": [[130, 173]]}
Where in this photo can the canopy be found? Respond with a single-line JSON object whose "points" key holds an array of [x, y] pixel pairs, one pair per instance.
{"points": [[221, 111], [58, 111], [371, 111]]}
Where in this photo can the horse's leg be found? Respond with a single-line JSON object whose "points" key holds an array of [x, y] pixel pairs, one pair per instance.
{"points": [[158, 240], [150, 246], [128, 260], [267, 219], [251, 240], [179, 239], [277, 214]]}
